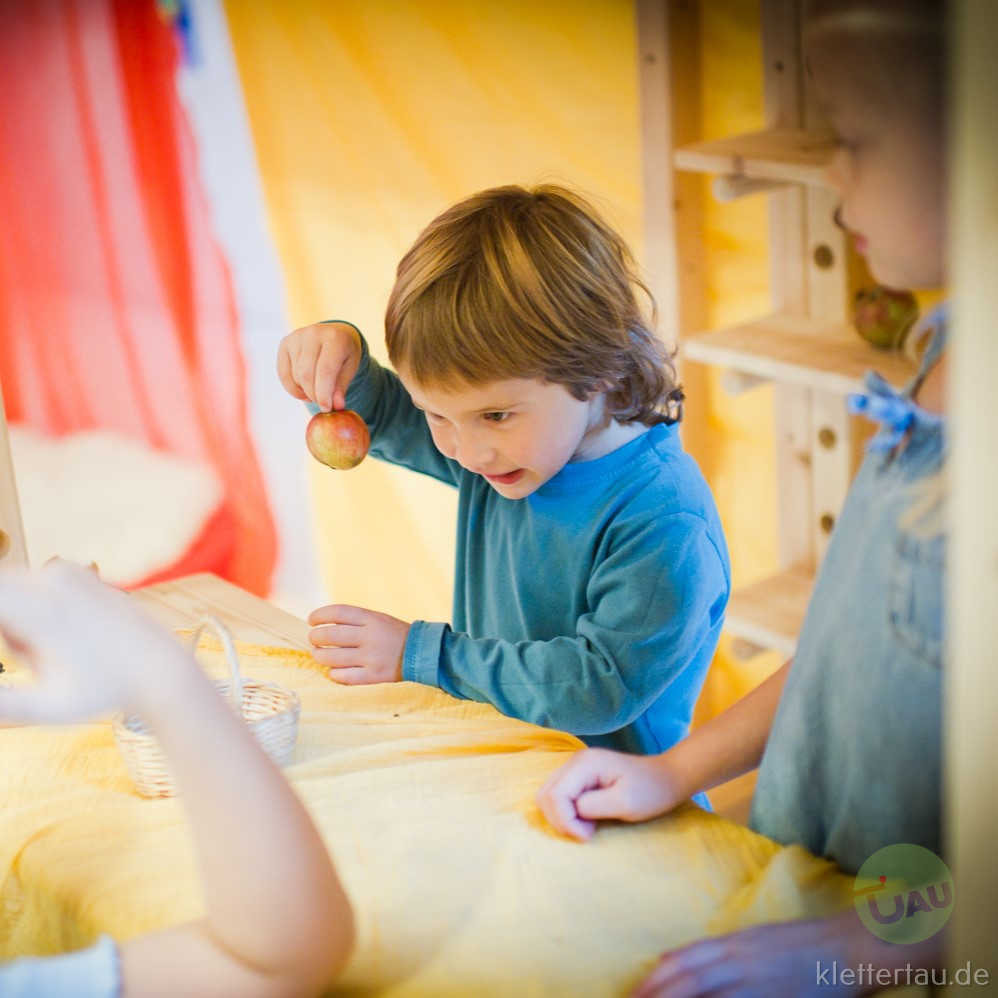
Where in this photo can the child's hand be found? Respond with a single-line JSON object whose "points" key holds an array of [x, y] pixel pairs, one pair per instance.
{"points": [[318, 362], [359, 646], [779, 960], [599, 783], [90, 647]]}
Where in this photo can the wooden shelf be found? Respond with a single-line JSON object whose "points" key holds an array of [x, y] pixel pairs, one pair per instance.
{"points": [[790, 155], [800, 351], [770, 613]]}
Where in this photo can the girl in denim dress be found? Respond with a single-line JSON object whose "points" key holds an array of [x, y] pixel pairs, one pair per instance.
{"points": [[848, 735]]}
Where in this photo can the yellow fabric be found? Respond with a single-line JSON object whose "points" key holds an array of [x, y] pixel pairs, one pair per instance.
{"points": [[427, 805]]}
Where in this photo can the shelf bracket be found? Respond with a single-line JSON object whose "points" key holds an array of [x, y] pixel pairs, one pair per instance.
{"points": [[732, 187], [737, 383]]}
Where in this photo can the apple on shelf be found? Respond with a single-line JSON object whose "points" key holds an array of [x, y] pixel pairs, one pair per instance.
{"points": [[338, 439], [883, 316]]}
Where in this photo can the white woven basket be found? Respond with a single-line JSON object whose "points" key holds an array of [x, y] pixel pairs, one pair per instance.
{"points": [[270, 710]]}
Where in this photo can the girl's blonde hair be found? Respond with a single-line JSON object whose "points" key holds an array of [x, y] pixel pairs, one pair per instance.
{"points": [[517, 283]]}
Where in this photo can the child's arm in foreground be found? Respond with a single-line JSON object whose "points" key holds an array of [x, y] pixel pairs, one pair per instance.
{"points": [[598, 783], [277, 920], [328, 365]]}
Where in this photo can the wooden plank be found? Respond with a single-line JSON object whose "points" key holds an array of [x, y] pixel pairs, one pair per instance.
{"points": [[970, 676], [831, 464], [183, 603], [829, 296], [784, 154], [660, 238], [770, 612], [826, 356], [783, 88], [13, 548], [792, 431], [782, 66], [668, 64], [668, 46]]}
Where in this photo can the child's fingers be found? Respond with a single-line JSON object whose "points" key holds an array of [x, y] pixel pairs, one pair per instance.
{"points": [[286, 374], [336, 635], [339, 658], [602, 802], [557, 797], [559, 810], [328, 366], [339, 613], [578, 774], [357, 676], [303, 360], [343, 378]]}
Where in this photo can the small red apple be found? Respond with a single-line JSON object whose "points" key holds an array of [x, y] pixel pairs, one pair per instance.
{"points": [[338, 439], [883, 316]]}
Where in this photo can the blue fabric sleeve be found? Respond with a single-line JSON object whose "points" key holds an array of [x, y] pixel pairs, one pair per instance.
{"points": [[399, 433], [87, 973], [654, 600]]}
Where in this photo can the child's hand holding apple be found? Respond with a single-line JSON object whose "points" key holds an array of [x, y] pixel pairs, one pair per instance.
{"points": [[317, 363]]}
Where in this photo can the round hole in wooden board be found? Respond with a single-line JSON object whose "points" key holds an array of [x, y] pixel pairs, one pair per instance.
{"points": [[4, 544], [823, 256]]}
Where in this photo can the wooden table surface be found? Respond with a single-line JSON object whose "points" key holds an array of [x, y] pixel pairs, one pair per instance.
{"points": [[185, 602]]}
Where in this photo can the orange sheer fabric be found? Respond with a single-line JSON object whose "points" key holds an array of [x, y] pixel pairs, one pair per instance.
{"points": [[116, 306]]}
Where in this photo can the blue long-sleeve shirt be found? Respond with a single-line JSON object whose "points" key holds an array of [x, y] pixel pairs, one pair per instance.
{"points": [[593, 605]]}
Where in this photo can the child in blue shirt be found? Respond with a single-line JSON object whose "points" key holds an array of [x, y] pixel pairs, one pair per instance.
{"points": [[592, 572]]}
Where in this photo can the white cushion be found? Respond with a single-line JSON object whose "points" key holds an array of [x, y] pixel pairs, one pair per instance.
{"points": [[99, 496]]}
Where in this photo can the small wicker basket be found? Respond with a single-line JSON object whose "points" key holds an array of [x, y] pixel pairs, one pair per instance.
{"points": [[270, 710]]}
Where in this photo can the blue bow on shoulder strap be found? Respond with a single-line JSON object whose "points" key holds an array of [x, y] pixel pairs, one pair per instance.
{"points": [[896, 412]]}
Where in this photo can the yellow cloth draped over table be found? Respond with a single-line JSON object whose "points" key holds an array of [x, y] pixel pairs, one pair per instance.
{"points": [[427, 804]]}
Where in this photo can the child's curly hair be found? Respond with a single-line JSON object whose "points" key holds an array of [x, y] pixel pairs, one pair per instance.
{"points": [[517, 283]]}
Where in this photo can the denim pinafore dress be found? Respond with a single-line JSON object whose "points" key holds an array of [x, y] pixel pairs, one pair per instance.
{"points": [[853, 761]]}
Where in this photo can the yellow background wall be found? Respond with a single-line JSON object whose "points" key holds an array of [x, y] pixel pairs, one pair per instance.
{"points": [[370, 117], [736, 442]]}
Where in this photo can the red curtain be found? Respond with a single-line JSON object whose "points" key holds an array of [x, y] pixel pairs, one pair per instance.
{"points": [[116, 306]]}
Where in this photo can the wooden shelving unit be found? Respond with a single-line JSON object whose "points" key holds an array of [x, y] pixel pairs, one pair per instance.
{"points": [[806, 348], [792, 155]]}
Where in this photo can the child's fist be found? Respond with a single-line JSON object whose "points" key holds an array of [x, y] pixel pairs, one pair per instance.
{"points": [[598, 783], [318, 362]]}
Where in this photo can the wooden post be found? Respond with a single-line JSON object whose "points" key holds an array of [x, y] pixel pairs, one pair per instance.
{"points": [[972, 624], [783, 89], [669, 77], [12, 546]]}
